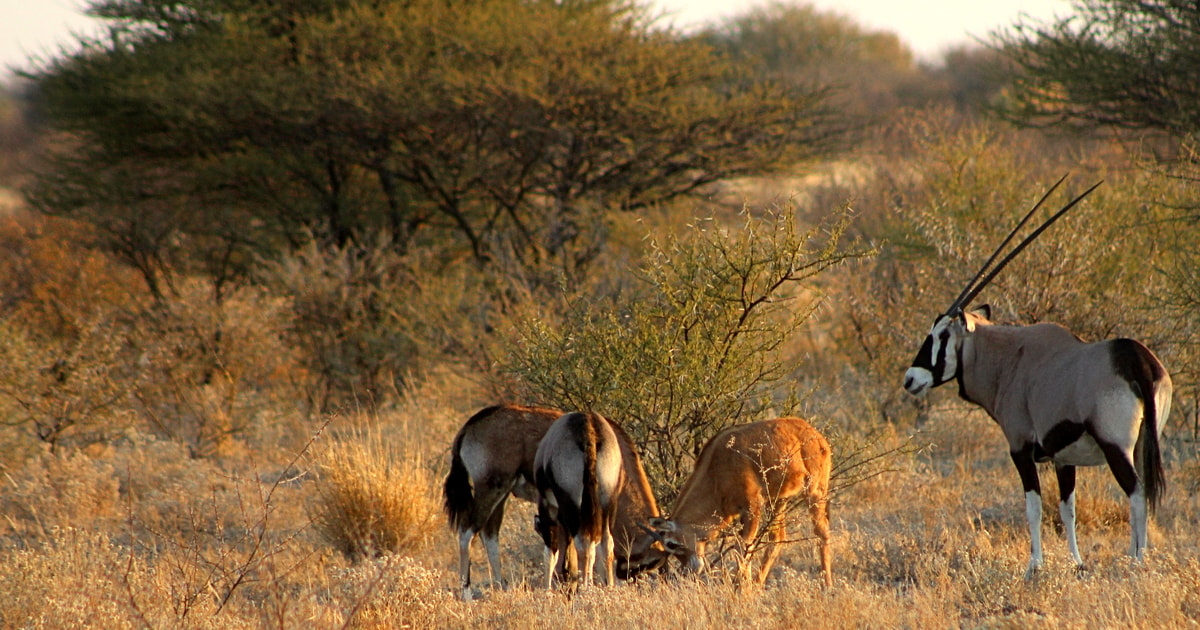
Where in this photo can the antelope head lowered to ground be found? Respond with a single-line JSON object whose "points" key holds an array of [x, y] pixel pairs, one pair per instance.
{"points": [[491, 458], [1056, 398], [747, 472]]}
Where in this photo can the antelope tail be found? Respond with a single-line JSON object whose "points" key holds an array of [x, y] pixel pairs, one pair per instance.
{"points": [[590, 512], [1151, 460], [1146, 376], [456, 492]]}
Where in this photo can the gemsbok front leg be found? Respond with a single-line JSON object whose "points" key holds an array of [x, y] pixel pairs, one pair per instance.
{"points": [[1027, 469]]}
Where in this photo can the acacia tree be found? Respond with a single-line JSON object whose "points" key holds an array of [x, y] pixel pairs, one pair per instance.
{"points": [[222, 128], [1131, 64]]}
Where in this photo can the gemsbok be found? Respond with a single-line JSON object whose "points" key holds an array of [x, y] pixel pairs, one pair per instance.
{"points": [[491, 458], [751, 472], [578, 471], [1056, 399]]}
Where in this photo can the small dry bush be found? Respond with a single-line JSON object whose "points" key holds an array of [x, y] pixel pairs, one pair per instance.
{"points": [[54, 491], [215, 371], [372, 498], [344, 317], [64, 370], [694, 345]]}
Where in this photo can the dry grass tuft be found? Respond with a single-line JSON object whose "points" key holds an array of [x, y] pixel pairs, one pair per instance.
{"points": [[371, 498]]}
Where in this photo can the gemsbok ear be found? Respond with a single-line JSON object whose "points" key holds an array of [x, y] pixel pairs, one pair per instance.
{"points": [[984, 311]]}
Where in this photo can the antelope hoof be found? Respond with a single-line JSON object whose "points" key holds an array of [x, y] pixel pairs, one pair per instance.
{"points": [[1032, 572]]}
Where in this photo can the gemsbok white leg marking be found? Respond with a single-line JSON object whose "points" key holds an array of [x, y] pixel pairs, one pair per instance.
{"points": [[1066, 511], [491, 544], [1033, 514], [1137, 516]]}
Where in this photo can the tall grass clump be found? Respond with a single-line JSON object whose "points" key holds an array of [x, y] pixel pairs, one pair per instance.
{"points": [[371, 498]]}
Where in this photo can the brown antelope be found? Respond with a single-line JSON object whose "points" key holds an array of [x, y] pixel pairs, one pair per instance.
{"points": [[1056, 398], [745, 472], [578, 471], [492, 457]]}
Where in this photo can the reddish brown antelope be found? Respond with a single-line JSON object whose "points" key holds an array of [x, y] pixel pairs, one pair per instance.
{"points": [[744, 472], [491, 458], [1056, 398], [579, 473]]}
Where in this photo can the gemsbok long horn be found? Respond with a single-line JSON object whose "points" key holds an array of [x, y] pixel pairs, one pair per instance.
{"points": [[975, 285], [958, 301]]}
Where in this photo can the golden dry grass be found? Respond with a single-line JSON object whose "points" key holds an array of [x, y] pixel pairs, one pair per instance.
{"points": [[137, 535]]}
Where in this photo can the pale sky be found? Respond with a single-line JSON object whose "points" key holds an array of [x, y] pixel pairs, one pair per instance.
{"points": [[39, 27]]}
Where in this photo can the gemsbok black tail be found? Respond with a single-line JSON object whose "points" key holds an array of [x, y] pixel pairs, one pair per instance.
{"points": [[591, 512], [457, 496], [1151, 464], [1144, 373]]}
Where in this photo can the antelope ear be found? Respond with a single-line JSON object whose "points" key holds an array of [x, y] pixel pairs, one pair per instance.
{"points": [[979, 312]]}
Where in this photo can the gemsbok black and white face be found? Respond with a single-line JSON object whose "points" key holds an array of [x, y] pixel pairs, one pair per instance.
{"points": [[937, 362]]}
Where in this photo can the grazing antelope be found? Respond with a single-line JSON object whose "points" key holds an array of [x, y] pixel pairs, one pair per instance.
{"points": [[1056, 398], [743, 472], [491, 458], [578, 471]]}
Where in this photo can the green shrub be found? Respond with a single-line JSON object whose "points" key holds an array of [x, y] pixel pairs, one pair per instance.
{"points": [[697, 343]]}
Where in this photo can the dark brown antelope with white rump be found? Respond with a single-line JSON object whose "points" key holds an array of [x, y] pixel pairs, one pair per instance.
{"points": [[491, 458], [744, 472], [578, 471], [1056, 398]]}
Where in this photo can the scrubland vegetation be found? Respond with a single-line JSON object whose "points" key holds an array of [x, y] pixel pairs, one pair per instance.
{"points": [[232, 360]]}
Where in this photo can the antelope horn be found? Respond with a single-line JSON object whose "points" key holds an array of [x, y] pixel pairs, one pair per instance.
{"points": [[653, 534], [1028, 239], [962, 299]]}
